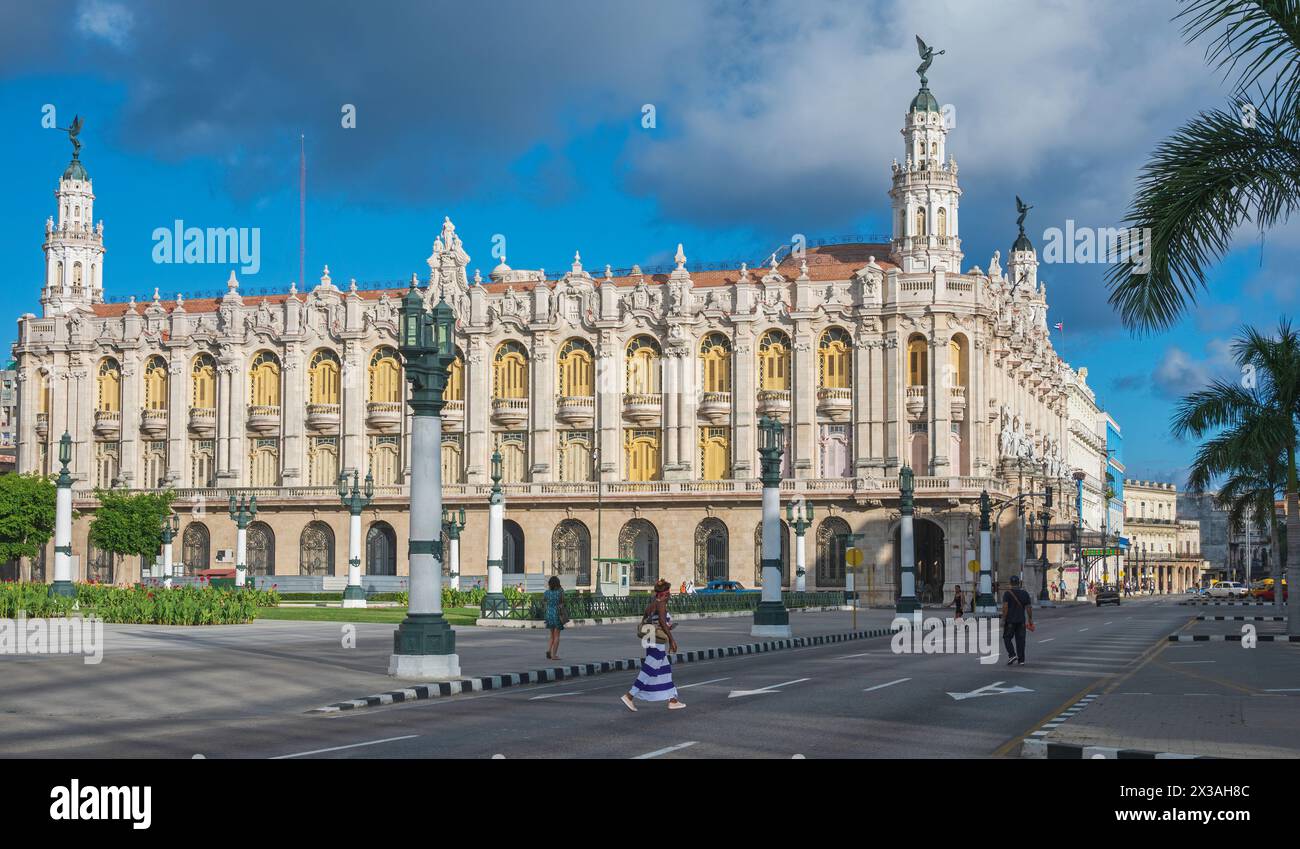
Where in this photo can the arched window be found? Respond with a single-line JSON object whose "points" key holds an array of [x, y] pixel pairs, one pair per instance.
{"points": [[639, 541], [643, 366], [641, 453], [715, 360], [918, 369], [920, 222], [785, 554], [513, 446], [381, 550], [195, 543], [941, 223], [830, 551], [260, 544], [323, 377], [711, 559], [43, 388], [577, 366], [834, 358], [76, 275], [316, 550], [204, 376], [264, 378], [322, 461], [715, 453], [512, 548], [510, 371], [451, 459], [155, 384], [571, 551], [108, 387], [264, 462], [385, 377], [455, 390], [774, 360], [957, 361]]}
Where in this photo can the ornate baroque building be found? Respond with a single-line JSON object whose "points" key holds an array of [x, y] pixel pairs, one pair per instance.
{"points": [[625, 405]]}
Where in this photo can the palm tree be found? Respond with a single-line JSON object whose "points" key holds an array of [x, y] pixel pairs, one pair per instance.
{"points": [[1249, 494], [1251, 426]]}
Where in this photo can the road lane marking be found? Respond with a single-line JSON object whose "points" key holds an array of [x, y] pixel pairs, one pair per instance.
{"points": [[553, 696], [1193, 661], [883, 686], [771, 689], [861, 654], [657, 752], [702, 683], [340, 748], [1081, 630], [994, 689], [1048, 640], [1287, 690]]}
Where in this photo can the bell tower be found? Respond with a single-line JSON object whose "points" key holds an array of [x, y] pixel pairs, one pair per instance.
{"points": [[74, 244]]}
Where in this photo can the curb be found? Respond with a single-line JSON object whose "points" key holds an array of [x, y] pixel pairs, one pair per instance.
{"points": [[443, 689], [1043, 750], [621, 620], [1232, 638], [1052, 724], [1226, 603], [1205, 618]]}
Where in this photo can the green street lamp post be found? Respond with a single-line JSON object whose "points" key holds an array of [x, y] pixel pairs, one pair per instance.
{"points": [[494, 603], [907, 601], [771, 619], [985, 603], [452, 525], [424, 645], [1081, 592], [171, 527], [242, 512], [799, 514], [355, 500], [62, 585]]}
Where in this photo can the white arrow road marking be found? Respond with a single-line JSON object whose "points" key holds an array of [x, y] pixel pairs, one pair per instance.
{"points": [[702, 683], [994, 689], [657, 752], [553, 696], [772, 689], [883, 686]]}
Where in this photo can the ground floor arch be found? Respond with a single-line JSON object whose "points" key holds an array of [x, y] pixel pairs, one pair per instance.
{"points": [[930, 551]]}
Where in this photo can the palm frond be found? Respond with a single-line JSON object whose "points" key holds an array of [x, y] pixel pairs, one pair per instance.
{"points": [[1258, 40]]}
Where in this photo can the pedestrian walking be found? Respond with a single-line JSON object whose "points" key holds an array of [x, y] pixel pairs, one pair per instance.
{"points": [[654, 683], [1017, 615], [556, 616], [957, 604]]}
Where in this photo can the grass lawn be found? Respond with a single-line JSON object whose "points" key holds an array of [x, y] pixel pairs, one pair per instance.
{"points": [[454, 615]]}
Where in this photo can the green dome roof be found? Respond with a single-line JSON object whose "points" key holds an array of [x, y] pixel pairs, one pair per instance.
{"points": [[1022, 243], [75, 171], [924, 101]]}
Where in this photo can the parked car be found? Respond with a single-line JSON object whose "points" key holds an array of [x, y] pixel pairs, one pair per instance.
{"points": [[1108, 594], [717, 587], [1263, 591], [1229, 589]]}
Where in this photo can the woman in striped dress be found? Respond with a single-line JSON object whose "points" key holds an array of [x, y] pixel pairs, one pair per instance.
{"points": [[654, 683]]}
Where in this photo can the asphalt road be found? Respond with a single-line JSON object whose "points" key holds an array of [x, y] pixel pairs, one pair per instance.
{"points": [[858, 699]]}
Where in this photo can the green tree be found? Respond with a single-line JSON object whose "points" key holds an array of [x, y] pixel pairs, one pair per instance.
{"points": [[26, 515], [1252, 429], [130, 524]]}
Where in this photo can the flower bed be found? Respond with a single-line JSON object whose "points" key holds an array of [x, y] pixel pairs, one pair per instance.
{"points": [[139, 605]]}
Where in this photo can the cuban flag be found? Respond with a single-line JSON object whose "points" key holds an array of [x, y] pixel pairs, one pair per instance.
{"points": [[1059, 325]]}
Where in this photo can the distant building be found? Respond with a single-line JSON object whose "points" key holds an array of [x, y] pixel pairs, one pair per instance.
{"points": [[8, 419], [1154, 533]]}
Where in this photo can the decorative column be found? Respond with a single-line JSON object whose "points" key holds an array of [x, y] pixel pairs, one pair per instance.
{"points": [[799, 514], [242, 513], [424, 645], [63, 524], [495, 601], [170, 528], [907, 602], [452, 525], [1081, 592], [356, 501], [771, 619], [985, 603]]}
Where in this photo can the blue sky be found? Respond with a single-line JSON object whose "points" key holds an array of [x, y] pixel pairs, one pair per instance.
{"points": [[525, 120]]}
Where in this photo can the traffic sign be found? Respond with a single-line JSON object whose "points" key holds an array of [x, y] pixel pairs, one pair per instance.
{"points": [[853, 557], [974, 565]]}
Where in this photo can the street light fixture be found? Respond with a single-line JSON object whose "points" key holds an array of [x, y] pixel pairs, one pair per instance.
{"points": [[452, 525], [62, 585], [356, 501], [907, 601], [771, 619], [171, 527], [242, 513], [801, 521]]}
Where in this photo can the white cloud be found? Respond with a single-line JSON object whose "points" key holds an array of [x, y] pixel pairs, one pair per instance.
{"points": [[1178, 373], [106, 20]]}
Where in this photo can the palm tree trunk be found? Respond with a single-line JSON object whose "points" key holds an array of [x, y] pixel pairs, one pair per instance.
{"points": [[1274, 554], [1292, 543]]}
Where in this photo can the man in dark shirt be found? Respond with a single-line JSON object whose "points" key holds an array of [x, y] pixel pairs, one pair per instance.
{"points": [[1016, 612]]}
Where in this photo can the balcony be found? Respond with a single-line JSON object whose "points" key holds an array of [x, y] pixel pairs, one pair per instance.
{"points": [[642, 408], [108, 424], [509, 412], [323, 418], [957, 402], [384, 416], [153, 423], [715, 407], [915, 401], [42, 424], [835, 403], [453, 412], [263, 419], [203, 420], [775, 403], [576, 409]]}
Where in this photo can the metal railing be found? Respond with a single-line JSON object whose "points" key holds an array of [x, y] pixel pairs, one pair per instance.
{"points": [[587, 605]]}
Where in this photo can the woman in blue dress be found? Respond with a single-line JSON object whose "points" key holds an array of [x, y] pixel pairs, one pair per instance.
{"points": [[654, 683], [554, 598]]}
